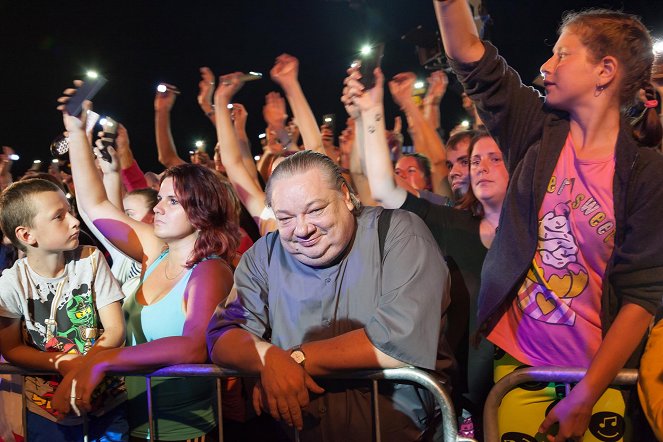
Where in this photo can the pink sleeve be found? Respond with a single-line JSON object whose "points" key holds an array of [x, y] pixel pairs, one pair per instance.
{"points": [[133, 178]]}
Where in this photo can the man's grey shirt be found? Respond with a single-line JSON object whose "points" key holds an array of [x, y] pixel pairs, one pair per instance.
{"points": [[398, 303]]}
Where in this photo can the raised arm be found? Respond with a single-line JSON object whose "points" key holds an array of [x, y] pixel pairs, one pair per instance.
{"points": [[357, 156], [378, 162], [426, 139], [6, 166], [437, 87], [250, 194], [239, 116], [285, 72], [133, 238], [132, 177], [163, 103], [206, 92], [111, 175], [275, 116], [459, 32]]}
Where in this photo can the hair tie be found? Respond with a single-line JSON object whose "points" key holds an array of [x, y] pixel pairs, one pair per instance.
{"points": [[651, 104]]}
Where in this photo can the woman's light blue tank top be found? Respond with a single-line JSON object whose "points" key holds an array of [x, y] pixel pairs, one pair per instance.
{"points": [[184, 407]]}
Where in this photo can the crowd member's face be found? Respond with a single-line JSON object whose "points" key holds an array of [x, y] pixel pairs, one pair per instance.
{"points": [[170, 220], [54, 228], [458, 163], [488, 173], [408, 168], [570, 76], [136, 207], [315, 221]]}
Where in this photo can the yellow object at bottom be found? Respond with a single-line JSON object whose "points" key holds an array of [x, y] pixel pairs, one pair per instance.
{"points": [[525, 407]]}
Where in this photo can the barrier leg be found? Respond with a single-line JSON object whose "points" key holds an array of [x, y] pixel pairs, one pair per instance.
{"points": [[86, 428], [218, 406], [150, 418], [377, 437]]}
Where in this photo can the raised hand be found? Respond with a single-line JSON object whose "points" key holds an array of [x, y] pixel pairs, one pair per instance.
{"points": [[122, 144], [355, 93], [202, 158], [239, 116], [73, 124], [6, 155], [401, 87], [274, 111], [107, 167], [285, 70], [347, 100], [228, 86], [206, 89], [437, 86], [164, 101]]}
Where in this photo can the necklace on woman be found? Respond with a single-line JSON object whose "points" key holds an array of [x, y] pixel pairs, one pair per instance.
{"points": [[492, 226], [165, 270]]}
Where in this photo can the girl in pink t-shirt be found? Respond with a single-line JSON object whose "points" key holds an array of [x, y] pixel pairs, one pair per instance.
{"points": [[566, 201]]}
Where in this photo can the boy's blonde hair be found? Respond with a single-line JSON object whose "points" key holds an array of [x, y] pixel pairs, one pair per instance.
{"points": [[17, 207]]}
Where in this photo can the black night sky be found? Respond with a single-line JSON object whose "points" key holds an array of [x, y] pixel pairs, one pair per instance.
{"points": [[138, 44]]}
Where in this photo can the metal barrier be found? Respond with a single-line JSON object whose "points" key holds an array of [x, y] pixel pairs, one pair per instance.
{"points": [[537, 374], [428, 381]]}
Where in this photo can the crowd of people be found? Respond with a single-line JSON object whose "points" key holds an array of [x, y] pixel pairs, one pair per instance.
{"points": [[526, 239]]}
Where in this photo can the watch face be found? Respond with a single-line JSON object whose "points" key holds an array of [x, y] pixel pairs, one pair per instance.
{"points": [[298, 356]]}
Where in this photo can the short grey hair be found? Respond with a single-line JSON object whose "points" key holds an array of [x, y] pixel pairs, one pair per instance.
{"points": [[304, 161]]}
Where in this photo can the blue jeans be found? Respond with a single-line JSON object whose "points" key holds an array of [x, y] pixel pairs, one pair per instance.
{"points": [[111, 427]]}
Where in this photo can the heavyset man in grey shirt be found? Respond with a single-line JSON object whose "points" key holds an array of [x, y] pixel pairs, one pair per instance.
{"points": [[318, 296]]}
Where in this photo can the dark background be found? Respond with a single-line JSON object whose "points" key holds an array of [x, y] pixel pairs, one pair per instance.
{"points": [[138, 44]]}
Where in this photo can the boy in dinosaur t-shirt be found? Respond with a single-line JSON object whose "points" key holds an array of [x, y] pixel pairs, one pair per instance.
{"points": [[53, 306]]}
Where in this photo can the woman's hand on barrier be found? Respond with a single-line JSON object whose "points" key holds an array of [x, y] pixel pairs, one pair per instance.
{"points": [[573, 414], [83, 383]]}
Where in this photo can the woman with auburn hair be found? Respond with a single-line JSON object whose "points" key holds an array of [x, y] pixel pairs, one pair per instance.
{"points": [[186, 273], [575, 271]]}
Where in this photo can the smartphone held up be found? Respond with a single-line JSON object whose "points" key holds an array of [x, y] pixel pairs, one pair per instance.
{"points": [[108, 136], [369, 59], [86, 91]]}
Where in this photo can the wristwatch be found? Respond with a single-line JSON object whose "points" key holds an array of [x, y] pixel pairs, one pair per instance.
{"points": [[297, 355]]}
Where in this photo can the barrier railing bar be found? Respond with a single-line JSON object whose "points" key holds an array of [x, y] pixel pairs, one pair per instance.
{"points": [[424, 379], [564, 375]]}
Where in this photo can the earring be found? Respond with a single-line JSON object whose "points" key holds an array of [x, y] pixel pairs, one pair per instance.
{"points": [[599, 90]]}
